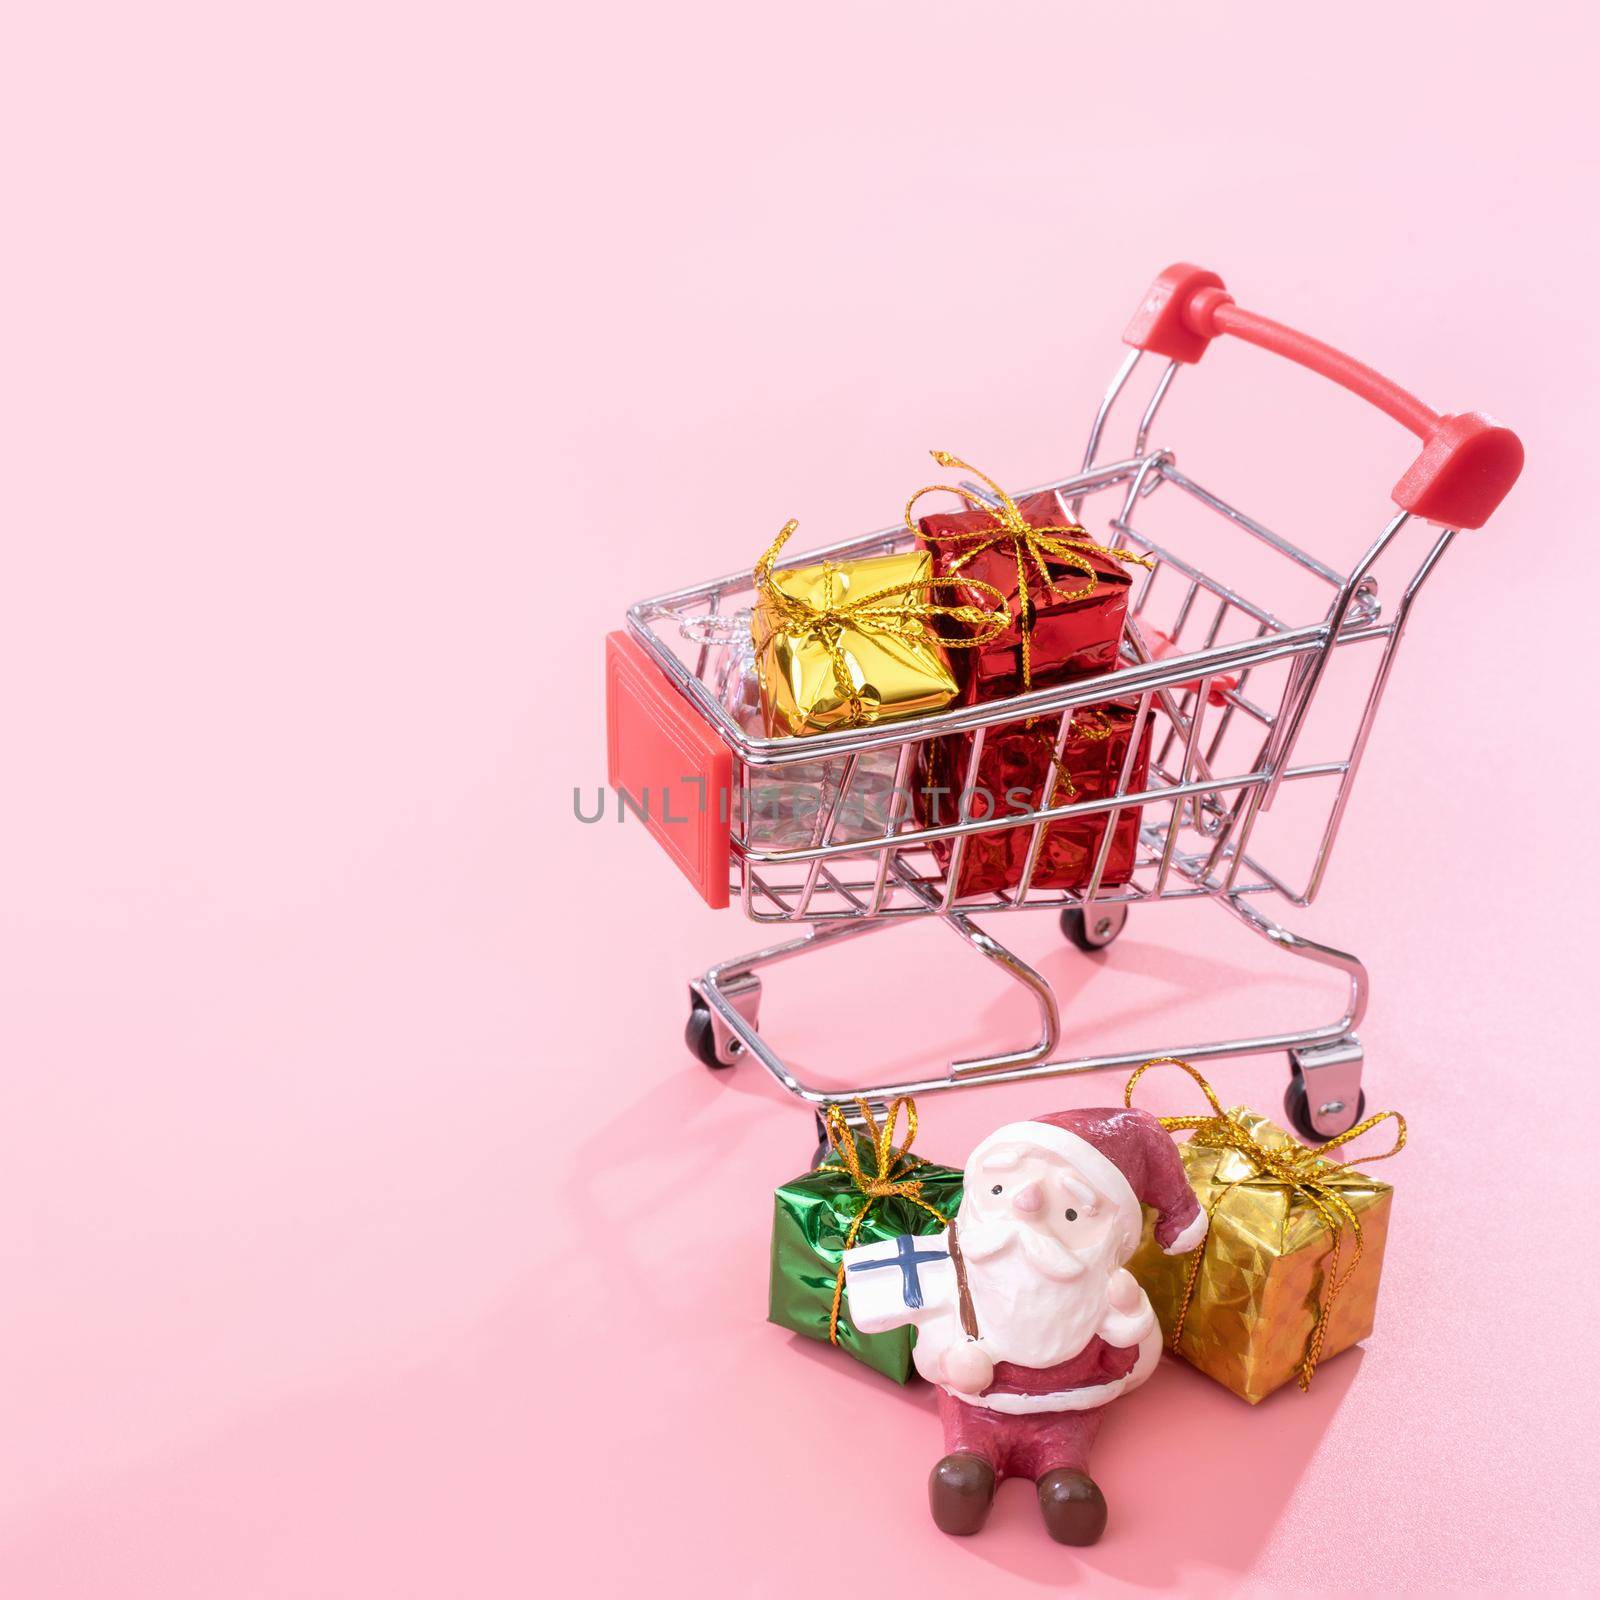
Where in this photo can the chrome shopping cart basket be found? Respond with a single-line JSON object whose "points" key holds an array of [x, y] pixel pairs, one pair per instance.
{"points": [[1221, 673]]}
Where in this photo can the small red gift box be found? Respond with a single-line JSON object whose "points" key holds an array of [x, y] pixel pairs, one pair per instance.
{"points": [[1014, 775], [1067, 596]]}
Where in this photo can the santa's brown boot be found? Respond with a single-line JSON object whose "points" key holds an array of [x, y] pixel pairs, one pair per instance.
{"points": [[1074, 1509], [960, 1492]]}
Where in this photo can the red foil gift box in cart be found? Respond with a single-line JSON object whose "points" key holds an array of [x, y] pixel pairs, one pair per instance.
{"points": [[1068, 602], [1067, 596], [1018, 772]]}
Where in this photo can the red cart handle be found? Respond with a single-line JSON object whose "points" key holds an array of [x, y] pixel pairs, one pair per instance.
{"points": [[1468, 462]]}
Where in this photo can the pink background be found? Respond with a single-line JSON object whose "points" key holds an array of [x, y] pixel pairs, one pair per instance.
{"points": [[367, 1230]]}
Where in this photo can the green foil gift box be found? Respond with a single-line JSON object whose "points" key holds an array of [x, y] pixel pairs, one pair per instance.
{"points": [[865, 1193]]}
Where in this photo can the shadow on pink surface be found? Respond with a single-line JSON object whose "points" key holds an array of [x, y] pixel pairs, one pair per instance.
{"points": [[337, 1483], [1195, 1478], [1139, 994]]}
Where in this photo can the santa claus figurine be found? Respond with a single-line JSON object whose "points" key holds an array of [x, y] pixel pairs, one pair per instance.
{"points": [[1026, 1318]]}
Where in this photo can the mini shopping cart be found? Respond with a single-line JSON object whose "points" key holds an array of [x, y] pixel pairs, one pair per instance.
{"points": [[1224, 671]]}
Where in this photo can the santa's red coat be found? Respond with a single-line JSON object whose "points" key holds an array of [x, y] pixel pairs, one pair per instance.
{"points": [[1030, 1445]]}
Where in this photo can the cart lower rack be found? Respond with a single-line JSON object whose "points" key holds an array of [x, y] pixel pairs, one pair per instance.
{"points": [[1221, 666]]}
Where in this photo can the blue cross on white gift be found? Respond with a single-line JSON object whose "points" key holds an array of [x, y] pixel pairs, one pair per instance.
{"points": [[907, 1257]]}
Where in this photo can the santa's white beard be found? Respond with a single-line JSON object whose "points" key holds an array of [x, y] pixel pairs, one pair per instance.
{"points": [[1037, 1302]]}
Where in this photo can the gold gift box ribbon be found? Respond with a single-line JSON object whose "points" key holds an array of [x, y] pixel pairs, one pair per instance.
{"points": [[1300, 1168], [1067, 544], [888, 1179], [893, 611]]}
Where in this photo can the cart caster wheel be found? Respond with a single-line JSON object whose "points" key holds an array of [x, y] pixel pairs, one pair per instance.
{"points": [[710, 1041], [701, 1037], [1096, 932], [1298, 1109]]}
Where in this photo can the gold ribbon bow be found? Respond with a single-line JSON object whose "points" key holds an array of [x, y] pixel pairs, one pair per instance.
{"points": [[888, 1179], [891, 611], [1067, 544], [1302, 1168]]}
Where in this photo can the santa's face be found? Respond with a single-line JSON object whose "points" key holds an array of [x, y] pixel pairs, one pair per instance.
{"points": [[1041, 1246]]}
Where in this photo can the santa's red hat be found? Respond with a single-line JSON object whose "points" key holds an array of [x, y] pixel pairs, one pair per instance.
{"points": [[1126, 1155]]}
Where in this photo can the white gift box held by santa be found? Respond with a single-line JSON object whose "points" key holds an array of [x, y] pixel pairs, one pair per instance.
{"points": [[1026, 1317]]}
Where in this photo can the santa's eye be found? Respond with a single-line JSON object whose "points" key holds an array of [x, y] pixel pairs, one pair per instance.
{"points": [[997, 1188], [1072, 1216]]}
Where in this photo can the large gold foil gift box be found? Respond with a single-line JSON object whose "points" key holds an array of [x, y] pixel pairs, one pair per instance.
{"points": [[844, 644], [1268, 1270]]}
